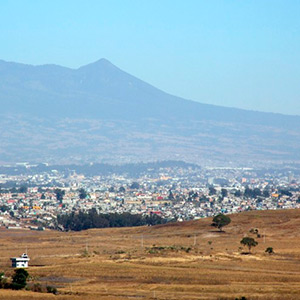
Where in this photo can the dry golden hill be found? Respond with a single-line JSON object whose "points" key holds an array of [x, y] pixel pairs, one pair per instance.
{"points": [[189, 260]]}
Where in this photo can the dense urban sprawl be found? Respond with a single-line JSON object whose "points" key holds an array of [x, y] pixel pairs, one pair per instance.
{"points": [[33, 201]]}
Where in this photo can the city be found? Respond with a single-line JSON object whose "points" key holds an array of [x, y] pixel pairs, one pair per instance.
{"points": [[178, 193]]}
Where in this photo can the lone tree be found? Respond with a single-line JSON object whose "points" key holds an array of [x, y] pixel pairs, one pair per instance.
{"points": [[249, 242], [220, 221]]}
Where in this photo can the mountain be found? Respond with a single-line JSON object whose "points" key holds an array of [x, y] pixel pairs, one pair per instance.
{"points": [[101, 113]]}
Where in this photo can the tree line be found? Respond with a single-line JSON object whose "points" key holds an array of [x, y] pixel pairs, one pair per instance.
{"points": [[93, 219]]}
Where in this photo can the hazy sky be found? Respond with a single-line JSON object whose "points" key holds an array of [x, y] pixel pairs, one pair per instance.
{"points": [[238, 53]]}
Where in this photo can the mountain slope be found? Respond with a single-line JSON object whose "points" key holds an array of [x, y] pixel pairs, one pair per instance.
{"points": [[100, 112]]}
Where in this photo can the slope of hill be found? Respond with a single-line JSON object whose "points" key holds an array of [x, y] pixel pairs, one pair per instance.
{"points": [[188, 260], [99, 112]]}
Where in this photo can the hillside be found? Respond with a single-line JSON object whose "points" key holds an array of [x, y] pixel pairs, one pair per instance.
{"points": [[101, 113], [189, 260]]}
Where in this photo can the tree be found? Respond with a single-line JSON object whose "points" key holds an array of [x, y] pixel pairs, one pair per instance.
{"points": [[135, 185], [249, 242], [212, 191], [237, 193], [4, 208], [256, 192], [122, 189], [59, 194], [13, 190], [269, 250], [266, 194], [19, 279], [220, 221], [23, 189], [40, 189], [286, 193], [82, 193], [171, 196], [224, 193]]}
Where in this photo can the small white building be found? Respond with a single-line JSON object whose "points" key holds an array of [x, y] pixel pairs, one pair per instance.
{"points": [[20, 262]]}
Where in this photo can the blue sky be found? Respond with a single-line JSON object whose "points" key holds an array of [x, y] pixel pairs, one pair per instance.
{"points": [[238, 53]]}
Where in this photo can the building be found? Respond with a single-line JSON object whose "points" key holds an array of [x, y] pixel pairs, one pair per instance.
{"points": [[20, 262]]}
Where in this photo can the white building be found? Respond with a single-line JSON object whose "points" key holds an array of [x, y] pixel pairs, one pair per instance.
{"points": [[20, 262]]}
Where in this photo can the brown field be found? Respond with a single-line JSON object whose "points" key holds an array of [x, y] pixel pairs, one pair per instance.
{"points": [[122, 263]]}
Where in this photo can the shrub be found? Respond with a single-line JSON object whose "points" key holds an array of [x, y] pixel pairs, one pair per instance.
{"points": [[16, 286], [269, 250], [37, 288], [188, 249], [51, 289]]}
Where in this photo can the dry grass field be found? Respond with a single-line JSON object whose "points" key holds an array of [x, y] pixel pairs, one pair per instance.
{"points": [[189, 260]]}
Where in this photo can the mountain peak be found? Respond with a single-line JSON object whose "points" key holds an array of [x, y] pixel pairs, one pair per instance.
{"points": [[101, 63]]}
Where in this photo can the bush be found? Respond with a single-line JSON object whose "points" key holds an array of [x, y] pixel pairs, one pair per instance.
{"points": [[51, 289], [269, 250], [253, 230], [188, 250], [37, 288], [3, 281], [17, 286]]}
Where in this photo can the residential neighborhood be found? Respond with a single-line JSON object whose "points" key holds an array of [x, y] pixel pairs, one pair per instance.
{"points": [[33, 201]]}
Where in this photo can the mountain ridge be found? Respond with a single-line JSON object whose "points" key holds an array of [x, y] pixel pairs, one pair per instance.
{"points": [[103, 62], [143, 116]]}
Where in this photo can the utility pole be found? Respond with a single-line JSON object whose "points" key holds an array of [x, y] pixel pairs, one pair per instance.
{"points": [[142, 241], [195, 240], [264, 236]]}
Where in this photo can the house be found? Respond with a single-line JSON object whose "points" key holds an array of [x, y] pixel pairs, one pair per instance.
{"points": [[20, 262]]}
